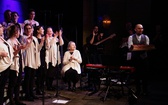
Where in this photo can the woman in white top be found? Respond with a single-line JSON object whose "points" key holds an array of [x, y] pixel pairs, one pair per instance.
{"points": [[53, 57], [40, 72], [71, 65], [14, 32], [6, 59]]}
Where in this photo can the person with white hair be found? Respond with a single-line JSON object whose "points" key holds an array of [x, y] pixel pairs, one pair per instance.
{"points": [[71, 65]]}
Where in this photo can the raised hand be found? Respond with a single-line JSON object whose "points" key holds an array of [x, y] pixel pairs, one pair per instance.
{"points": [[60, 32], [47, 36], [94, 34], [56, 34]]}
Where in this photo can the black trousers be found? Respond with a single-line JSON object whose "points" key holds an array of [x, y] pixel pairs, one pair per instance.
{"points": [[3, 79], [50, 76], [41, 76], [71, 75], [14, 85], [11, 84], [29, 79], [141, 75]]}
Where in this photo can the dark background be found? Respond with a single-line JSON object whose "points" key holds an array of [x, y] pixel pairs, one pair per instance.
{"points": [[77, 18]]}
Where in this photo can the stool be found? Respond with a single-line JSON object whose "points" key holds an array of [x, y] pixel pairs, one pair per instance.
{"points": [[128, 71], [130, 68], [94, 71], [116, 77]]}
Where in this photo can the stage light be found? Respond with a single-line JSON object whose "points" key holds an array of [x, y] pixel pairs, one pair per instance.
{"points": [[106, 21], [13, 5]]}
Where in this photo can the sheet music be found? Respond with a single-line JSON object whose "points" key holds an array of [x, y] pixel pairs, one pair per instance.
{"points": [[129, 56]]}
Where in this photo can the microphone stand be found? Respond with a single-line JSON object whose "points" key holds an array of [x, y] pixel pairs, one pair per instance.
{"points": [[57, 71], [57, 77], [57, 66]]}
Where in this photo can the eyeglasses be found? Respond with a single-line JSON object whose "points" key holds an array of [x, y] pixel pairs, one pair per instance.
{"points": [[28, 28]]}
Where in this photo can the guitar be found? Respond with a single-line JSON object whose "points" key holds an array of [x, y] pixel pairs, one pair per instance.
{"points": [[110, 37]]}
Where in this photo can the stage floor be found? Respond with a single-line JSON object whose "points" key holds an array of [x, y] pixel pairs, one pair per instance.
{"points": [[158, 93]]}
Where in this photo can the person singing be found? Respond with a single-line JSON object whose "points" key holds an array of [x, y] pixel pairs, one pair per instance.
{"points": [[6, 59], [53, 57]]}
